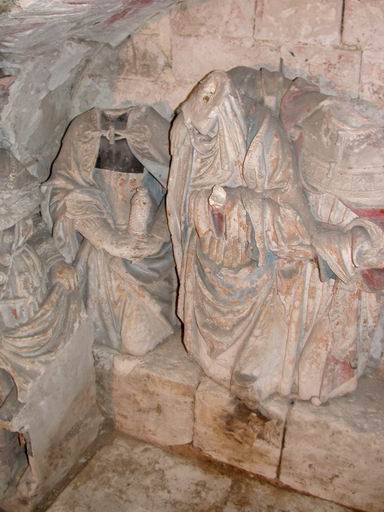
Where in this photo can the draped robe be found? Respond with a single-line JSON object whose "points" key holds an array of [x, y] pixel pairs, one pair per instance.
{"points": [[273, 324], [131, 303]]}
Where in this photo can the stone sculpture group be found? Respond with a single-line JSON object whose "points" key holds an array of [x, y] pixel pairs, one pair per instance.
{"points": [[269, 211]]}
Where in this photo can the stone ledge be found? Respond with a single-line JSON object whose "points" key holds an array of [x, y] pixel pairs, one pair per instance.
{"points": [[333, 452], [336, 451]]}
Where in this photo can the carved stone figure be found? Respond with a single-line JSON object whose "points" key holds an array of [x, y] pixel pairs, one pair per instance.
{"points": [[39, 307], [105, 204], [271, 258]]}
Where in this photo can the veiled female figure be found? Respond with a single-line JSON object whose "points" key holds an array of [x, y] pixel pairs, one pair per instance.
{"points": [[271, 299]]}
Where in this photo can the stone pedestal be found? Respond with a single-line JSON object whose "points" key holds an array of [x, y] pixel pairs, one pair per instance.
{"points": [[229, 431], [59, 421], [336, 451], [153, 397]]}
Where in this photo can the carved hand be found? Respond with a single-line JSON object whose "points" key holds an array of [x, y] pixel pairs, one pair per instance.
{"points": [[368, 253], [65, 275], [226, 240]]}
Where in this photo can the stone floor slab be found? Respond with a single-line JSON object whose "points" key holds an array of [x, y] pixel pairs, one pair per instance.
{"points": [[130, 476]]}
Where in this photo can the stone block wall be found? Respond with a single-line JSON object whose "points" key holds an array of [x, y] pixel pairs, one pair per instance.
{"points": [[335, 43]]}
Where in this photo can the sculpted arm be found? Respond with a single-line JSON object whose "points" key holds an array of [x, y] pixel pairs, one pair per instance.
{"points": [[103, 236], [61, 272]]}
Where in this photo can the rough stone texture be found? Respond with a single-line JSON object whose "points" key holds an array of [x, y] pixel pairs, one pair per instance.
{"points": [[372, 76], [128, 475], [363, 23], [228, 431], [194, 57], [59, 421], [154, 397], [144, 57], [332, 69], [309, 21], [104, 362], [336, 451], [179, 48], [229, 18], [53, 46], [46, 47]]}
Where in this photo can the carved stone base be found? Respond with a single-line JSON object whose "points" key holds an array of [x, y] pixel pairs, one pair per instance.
{"points": [[58, 422], [333, 451], [152, 397], [336, 451], [229, 431]]}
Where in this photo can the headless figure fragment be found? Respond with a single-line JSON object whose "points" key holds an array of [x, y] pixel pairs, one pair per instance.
{"points": [[272, 291], [39, 304], [105, 204]]}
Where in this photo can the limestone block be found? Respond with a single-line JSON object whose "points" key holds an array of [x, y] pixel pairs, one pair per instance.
{"points": [[154, 398], [372, 77], [228, 431], [158, 25], [307, 21], [363, 23], [104, 362], [230, 18], [194, 57], [334, 70], [336, 451], [144, 56], [152, 91]]}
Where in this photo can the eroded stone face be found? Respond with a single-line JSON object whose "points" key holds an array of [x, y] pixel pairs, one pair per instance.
{"points": [[277, 256]]}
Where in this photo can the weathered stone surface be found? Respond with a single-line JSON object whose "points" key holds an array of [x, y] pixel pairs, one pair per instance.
{"points": [[168, 88], [59, 421], [143, 56], [229, 18], [107, 83], [335, 70], [46, 47], [154, 400], [127, 475], [194, 57], [363, 23], [285, 21], [372, 77], [131, 311], [104, 362], [228, 431], [336, 451]]}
